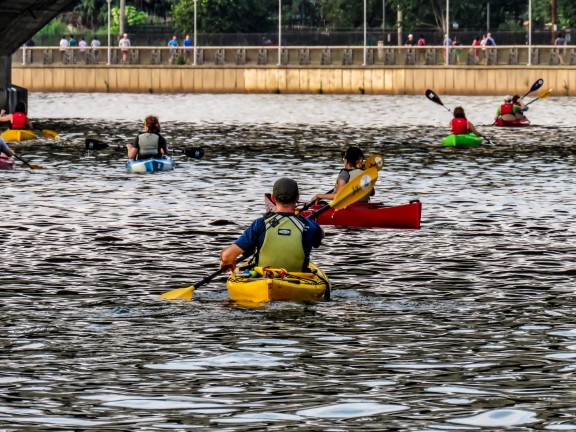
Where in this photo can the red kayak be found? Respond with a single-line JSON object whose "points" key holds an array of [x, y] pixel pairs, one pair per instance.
{"points": [[512, 123], [366, 215]]}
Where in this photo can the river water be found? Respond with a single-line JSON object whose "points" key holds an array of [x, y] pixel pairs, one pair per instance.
{"points": [[466, 324]]}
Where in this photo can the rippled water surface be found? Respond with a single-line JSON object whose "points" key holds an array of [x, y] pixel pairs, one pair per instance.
{"points": [[465, 324]]}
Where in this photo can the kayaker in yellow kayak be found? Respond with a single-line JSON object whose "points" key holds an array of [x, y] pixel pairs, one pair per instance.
{"points": [[352, 159], [19, 119], [280, 239], [460, 124]]}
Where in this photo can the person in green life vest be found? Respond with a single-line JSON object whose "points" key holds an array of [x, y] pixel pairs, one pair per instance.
{"points": [[279, 239], [352, 159]]}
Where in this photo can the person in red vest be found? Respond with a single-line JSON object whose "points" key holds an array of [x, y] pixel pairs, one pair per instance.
{"points": [[18, 120], [507, 110], [460, 124]]}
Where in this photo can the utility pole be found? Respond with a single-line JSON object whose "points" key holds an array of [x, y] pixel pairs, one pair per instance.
{"points": [[122, 16], [553, 20]]}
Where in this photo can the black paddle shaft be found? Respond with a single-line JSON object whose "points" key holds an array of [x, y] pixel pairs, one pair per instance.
{"points": [[436, 99]]}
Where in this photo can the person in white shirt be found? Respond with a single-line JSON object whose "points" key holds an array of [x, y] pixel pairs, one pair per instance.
{"points": [[63, 49], [124, 45]]}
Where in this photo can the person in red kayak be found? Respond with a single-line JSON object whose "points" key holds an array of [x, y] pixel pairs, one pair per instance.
{"points": [[507, 110], [19, 119], [352, 159], [517, 101], [460, 124], [279, 239]]}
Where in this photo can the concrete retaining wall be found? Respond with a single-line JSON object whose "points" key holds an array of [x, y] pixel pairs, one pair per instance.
{"points": [[460, 80]]}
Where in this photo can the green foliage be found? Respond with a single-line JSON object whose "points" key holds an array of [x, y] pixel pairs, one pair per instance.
{"points": [[224, 16], [56, 27], [133, 16]]}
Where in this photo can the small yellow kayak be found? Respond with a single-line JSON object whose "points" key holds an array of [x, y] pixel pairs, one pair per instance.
{"points": [[264, 284], [13, 135]]}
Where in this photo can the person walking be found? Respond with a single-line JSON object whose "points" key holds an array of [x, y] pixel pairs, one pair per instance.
{"points": [[72, 43], [279, 239], [64, 50], [490, 49], [124, 45], [83, 46], [173, 44], [187, 49], [447, 44], [560, 42], [95, 44]]}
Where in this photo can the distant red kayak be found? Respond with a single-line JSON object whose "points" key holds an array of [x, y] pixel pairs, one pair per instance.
{"points": [[366, 215], [512, 123]]}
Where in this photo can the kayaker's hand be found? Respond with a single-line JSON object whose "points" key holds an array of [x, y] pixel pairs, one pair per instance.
{"points": [[314, 199], [230, 267]]}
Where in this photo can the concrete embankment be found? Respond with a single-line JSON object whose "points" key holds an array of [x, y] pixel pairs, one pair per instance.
{"points": [[456, 80]]}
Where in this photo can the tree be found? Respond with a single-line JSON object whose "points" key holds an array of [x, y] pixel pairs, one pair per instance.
{"points": [[225, 16]]}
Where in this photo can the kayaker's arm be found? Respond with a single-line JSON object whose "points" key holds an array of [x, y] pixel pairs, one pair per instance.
{"points": [[330, 195], [473, 129], [228, 256]]}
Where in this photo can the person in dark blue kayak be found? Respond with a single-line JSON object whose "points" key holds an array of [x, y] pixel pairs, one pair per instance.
{"points": [[149, 144], [352, 159], [279, 239], [460, 124]]}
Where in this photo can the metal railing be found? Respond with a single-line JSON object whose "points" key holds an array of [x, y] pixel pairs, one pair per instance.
{"points": [[314, 56]]}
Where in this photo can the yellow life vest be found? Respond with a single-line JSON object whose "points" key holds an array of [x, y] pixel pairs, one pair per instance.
{"points": [[282, 246]]}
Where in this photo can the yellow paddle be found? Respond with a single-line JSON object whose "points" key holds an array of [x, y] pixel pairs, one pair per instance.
{"points": [[352, 191], [376, 160], [25, 162], [543, 95]]}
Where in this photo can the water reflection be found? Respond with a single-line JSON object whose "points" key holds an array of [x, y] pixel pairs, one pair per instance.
{"points": [[466, 323]]}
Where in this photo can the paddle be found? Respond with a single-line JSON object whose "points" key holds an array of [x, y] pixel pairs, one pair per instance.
{"points": [[352, 191], [96, 144], [543, 95], [436, 99], [376, 160], [537, 84], [31, 166], [50, 133]]}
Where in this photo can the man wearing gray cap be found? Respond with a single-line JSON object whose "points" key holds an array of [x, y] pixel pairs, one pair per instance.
{"points": [[280, 239]]}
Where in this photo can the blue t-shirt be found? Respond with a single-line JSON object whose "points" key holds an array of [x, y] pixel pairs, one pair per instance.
{"points": [[187, 42], [4, 147], [173, 43], [254, 235]]}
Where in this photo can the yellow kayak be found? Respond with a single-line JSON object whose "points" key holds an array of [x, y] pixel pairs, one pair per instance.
{"points": [[12, 135], [264, 284]]}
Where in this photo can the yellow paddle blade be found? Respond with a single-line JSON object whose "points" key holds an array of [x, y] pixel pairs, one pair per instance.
{"points": [[32, 166], [376, 160], [179, 293], [355, 189], [49, 133], [546, 93]]}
